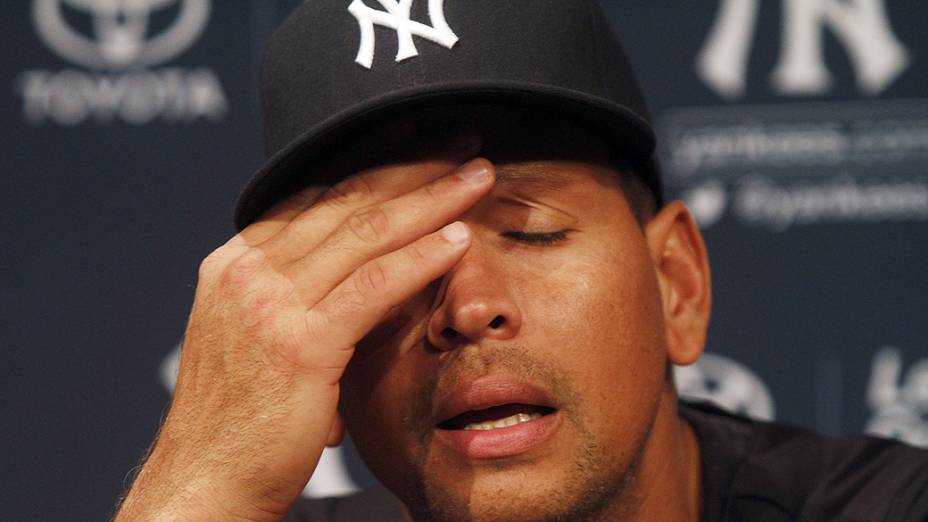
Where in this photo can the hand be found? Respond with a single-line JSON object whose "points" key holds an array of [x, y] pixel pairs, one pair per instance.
{"points": [[276, 316]]}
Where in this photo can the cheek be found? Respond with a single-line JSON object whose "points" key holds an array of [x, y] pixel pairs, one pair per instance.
{"points": [[372, 397], [384, 393], [601, 318], [610, 293], [608, 335], [383, 374]]}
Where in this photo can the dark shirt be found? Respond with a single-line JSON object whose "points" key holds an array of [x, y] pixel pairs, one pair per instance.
{"points": [[751, 471]]}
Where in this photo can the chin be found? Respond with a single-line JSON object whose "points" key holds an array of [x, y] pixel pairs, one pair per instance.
{"points": [[507, 499], [504, 491]]}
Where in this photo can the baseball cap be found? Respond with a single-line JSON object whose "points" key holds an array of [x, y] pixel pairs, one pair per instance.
{"points": [[335, 65]]}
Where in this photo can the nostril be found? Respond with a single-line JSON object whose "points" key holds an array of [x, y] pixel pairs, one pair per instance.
{"points": [[497, 322], [449, 334]]}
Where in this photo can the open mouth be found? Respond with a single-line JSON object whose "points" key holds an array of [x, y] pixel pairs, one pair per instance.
{"points": [[496, 417]]}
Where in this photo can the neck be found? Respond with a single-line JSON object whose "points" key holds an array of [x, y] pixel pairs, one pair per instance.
{"points": [[669, 483]]}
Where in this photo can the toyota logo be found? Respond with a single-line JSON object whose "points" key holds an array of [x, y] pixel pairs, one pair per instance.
{"points": [[120, 36]]}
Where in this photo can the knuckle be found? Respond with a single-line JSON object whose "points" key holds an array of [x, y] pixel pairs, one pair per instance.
{"points": [[316, 326], [346, 304], [328, 359], [371, 279], [289, 336], [208, 265], [369, 225], [416, 255], [241, 271], [306, 198], [431, 189], [349, 191]]}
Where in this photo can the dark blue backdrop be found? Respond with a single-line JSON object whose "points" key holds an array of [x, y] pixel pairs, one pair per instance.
{"points": [[797, 130]]}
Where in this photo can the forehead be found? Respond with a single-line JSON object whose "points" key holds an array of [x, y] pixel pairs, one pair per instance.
{"points": [[526, 178]]}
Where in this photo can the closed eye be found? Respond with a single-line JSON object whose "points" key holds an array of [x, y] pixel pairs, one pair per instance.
{"points": [[536, 238]]}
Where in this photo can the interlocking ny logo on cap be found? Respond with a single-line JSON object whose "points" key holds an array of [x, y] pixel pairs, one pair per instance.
{"points": [[120, 31], [397, 17]]}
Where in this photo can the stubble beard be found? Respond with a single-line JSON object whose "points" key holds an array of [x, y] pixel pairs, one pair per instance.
{"points": [[593, 489]]}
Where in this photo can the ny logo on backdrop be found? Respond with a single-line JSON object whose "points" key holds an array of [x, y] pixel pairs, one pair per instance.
{"points": [[861, 26], [727, 383], [898, 403], [116, 42], [397, 17]]}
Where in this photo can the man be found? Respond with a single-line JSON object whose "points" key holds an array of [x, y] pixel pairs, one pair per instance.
{"points": [[459, 251]]}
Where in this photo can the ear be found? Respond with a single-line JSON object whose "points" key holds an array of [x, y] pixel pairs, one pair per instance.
{"points": [[336, 432], [679, 256]]}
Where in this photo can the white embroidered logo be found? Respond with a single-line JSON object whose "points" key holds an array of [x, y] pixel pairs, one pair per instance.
{"points": [[396, 17]]}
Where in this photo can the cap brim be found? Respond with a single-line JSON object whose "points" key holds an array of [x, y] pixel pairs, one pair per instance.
{"points": [[270, 184]]}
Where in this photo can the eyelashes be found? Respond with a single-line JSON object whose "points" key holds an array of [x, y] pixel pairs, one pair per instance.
{"points": [[537, 238]]}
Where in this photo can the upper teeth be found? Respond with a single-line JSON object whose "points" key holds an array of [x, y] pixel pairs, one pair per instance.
{"points": [[512, 420]]}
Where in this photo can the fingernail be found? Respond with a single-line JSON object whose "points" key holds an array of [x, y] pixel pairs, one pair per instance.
{"points": [[456, 233], [475, 172]]}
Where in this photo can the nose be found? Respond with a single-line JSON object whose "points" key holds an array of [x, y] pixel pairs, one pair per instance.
{"points": [[475, 304]]}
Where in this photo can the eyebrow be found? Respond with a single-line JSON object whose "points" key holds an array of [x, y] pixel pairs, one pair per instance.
{"points": [[536, 176]]}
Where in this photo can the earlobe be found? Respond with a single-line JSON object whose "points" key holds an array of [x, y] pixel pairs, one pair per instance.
{"points": [[336, 432], [682, 266]]}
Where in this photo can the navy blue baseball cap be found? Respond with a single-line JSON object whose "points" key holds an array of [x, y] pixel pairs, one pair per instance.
{"points": [[334, 65]]}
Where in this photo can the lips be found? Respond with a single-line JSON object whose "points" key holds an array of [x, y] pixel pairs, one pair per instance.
{"points": [[496, 417]]}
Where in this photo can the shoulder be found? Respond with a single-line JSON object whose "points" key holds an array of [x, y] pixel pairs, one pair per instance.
{"points": [[777, 468], [373, 504]]}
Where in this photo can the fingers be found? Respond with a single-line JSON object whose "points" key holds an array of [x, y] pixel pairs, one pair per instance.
{"points": [[280, 215], [294, 227], [362, 300], [308, 229], [376, 230]]}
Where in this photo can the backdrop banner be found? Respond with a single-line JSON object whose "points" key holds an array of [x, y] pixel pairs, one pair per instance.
{"points": [[795, 130]]}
